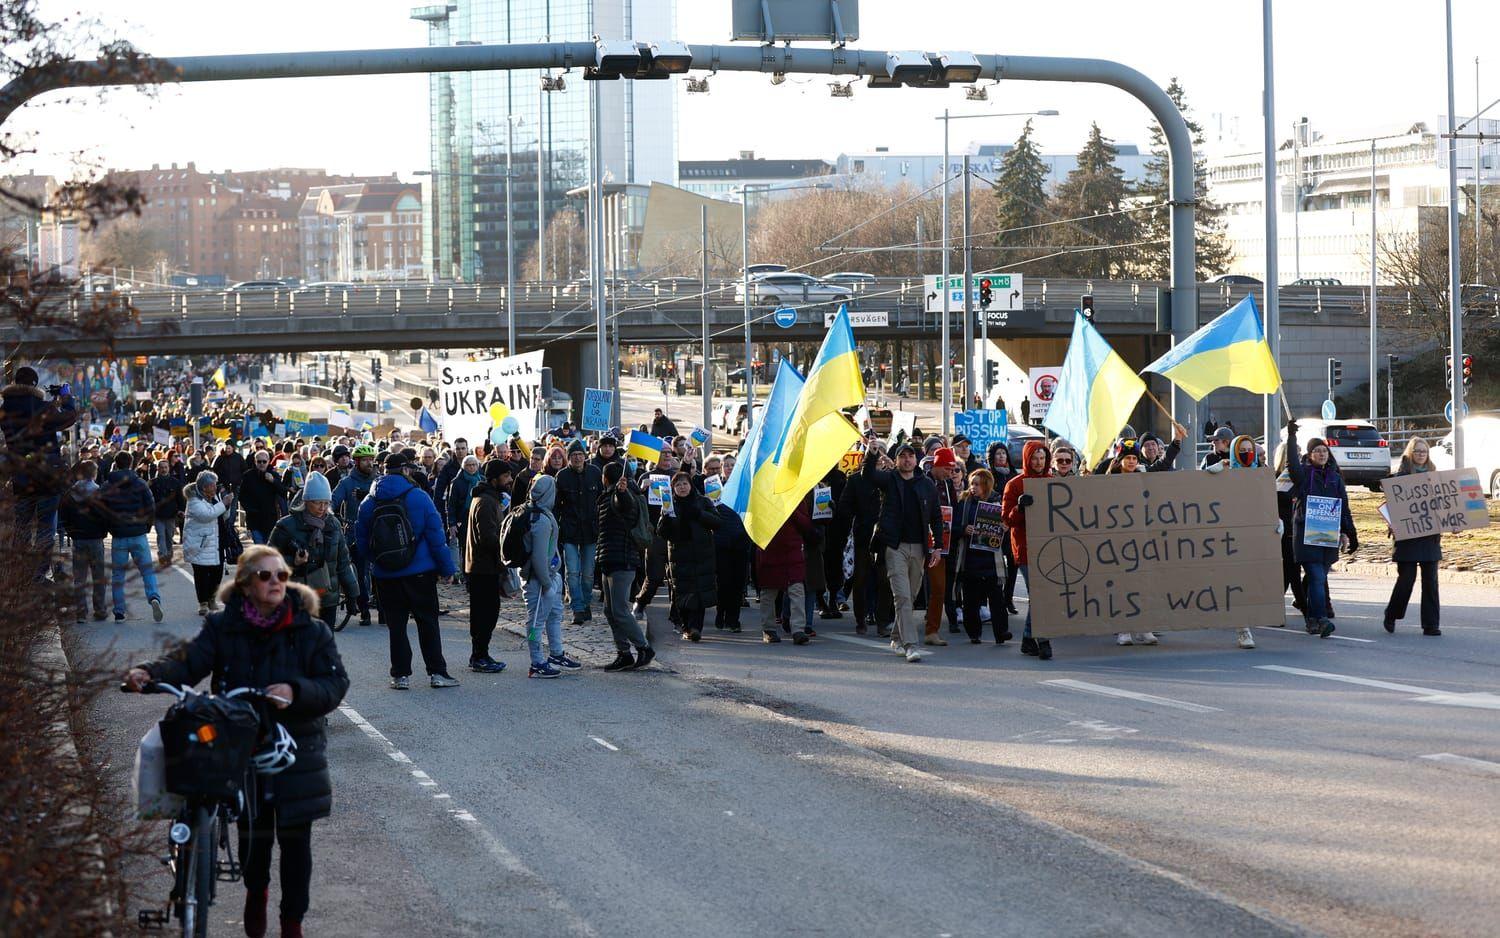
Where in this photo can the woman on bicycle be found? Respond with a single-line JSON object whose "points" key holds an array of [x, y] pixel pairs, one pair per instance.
{"points": [[267, 636]]}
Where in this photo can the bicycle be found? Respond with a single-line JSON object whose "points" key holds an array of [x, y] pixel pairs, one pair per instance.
{"points": [[200, 852]]}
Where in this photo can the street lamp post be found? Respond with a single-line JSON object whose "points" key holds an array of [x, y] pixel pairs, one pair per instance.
{"points": [[1455, 311], [745, 190], [947, 118]]}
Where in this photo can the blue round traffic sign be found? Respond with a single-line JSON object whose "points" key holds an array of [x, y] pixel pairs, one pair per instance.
{"points": [[1448, 410], [1329, 411], [786, 317]]}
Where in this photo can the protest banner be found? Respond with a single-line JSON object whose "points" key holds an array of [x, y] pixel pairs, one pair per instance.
{"points": [[1320, 527], [903, 426], [1435, 503], [982, 427], [468, 389], [713, 488], [822, 505], [161, 436], [989, 530], [597, 405], [659, 491], [1157, 552]]}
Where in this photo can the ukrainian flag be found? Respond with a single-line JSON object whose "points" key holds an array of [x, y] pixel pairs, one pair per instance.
{"points": [[750, 488], [1096, 391], [218, 378], [1230, 352], [818, 434], [645, 446]]}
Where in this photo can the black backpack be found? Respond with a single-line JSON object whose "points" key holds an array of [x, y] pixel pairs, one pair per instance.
{"points": [[513, 531], [393, 540]]}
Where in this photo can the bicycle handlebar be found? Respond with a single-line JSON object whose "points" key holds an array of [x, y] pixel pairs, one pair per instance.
{"points": [[257, 694]]}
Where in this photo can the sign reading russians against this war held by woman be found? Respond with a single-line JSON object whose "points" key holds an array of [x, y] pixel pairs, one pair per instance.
{"points": [[1427, 503], [1152, 552]]}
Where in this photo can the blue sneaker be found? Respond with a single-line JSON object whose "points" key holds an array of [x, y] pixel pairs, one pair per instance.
{"points": [[564, 663], [545, 669], [486, 665]]}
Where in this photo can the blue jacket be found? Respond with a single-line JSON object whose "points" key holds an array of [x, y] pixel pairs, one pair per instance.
{"points": [[127, 504], [432, 542]]}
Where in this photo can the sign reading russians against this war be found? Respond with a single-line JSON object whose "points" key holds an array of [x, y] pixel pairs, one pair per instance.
{"points": [[1153, 552], [1435, 503]]}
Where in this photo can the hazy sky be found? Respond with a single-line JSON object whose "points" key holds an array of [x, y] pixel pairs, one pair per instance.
{"points": [[1350, 66]]}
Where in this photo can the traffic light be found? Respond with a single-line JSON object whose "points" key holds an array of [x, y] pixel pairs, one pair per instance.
{"points": [[1447, 371], [986, 293], [1335, 372], [375, 369], [991, 375], [1468, 370], [1086, 306]]}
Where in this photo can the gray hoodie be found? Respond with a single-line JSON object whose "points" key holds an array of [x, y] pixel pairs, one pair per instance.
{"points": [[541, 540]]}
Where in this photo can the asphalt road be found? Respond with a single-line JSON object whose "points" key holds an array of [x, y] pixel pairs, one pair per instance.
{"points": [[658, 803]]}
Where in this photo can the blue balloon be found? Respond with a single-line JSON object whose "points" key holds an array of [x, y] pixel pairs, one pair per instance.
{"points": [[497, 435], [510, 425]]}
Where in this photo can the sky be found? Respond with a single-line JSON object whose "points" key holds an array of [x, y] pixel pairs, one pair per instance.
{"points": [[1352, 66]]}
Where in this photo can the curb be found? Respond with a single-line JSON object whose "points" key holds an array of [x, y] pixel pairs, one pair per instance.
{"points": [[1454, 577]]}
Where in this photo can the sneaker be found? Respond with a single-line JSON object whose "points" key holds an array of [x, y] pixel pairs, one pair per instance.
{"points": [[934, 639], [564, 664], [1044, 650], [882, 631], [1145, 638], [156, 611], [1028, 646], [624, 661], [543, 670], [912, 653], [734, 629], [364, 619], [442, 680], [1312, 625], [588, 615], [579, 618], [203, 609], [119, 616], [1123, 638], [897, 647], [644, 657], [100, 615], [1325, 628], [800, 638], [486, 665], [401, 683], [769, 636], [1432, 632], [1246, 640], [830, 613]]}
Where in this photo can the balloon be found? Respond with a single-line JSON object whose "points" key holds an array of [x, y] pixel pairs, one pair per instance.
{"points": [[510, 425], [497, 435], [498, 412]]}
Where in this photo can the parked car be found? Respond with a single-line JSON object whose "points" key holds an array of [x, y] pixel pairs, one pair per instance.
{"points": [[1237, 280], [789, 288], [1317, 282], [257, 286], [854, 279], [1022, 433], [1481, 450], [1364, 456]]}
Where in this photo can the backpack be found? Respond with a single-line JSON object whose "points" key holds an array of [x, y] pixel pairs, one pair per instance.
{"points": [[513, 530], [393, 540], [641, 534]]}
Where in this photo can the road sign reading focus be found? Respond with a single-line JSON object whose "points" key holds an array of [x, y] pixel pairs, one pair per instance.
{"points": [[1127, 553], [1005, 290], [785, 317], [1435, 503]]}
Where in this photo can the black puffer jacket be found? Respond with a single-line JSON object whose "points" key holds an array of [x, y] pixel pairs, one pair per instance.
{"points": [[303, 655], [578, 504], [618, 513], [690, 553]]}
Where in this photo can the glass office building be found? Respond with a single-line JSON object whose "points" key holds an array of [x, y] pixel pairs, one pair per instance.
{"points": [[476, 119]]}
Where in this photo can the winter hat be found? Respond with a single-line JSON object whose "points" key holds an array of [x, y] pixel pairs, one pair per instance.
{"points": [[902, 448], [960, 438], [577, 447], [316, 488], [1224, 433], [944, 458], [1129, 448]]}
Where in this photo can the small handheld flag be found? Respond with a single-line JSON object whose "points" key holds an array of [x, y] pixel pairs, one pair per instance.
{"points": [[645, 446], [217, 378]]}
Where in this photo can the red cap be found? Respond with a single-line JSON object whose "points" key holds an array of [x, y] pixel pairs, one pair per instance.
{"points": [[944, 459]]}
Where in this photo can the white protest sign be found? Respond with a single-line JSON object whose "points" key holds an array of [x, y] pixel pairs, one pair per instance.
{"points": [[467, 390]]}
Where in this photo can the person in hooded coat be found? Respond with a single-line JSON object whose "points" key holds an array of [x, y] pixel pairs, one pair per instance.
{"points": [[689, 533], [541, 580], [1034, 464], [997, 460], [1317, 476], [267, 636], [1243, 454], [206, 504]]}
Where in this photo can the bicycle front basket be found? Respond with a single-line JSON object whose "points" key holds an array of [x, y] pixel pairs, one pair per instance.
{"points": [[208, 742]]}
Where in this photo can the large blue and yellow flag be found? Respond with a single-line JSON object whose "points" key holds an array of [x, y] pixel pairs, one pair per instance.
{"points": [[750, 489], [1230, 352], [217, 378], [1096, 391], [819, 434]]}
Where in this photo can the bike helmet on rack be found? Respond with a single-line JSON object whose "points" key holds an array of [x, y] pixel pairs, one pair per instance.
{"points": [[277, 754]]}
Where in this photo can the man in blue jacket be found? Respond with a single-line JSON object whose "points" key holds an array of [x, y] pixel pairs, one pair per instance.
{"points": [[409, 591], [129, 511]]}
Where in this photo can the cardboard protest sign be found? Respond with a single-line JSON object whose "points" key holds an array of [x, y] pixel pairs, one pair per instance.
{"points": [[467, 391], [597, 404], [1435, 503], [161, 436], [1138, 552], [852, 461]]}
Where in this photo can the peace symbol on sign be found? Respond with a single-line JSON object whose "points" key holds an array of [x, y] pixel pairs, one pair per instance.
{"points": [[1063, 560]]}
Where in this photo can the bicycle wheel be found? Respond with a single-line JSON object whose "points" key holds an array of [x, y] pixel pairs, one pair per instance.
{"points": [[200, 873]]}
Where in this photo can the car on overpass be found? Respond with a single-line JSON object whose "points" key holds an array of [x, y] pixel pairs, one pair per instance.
{"points": [[257, 286], [786, 288], [853, 278], [1317, 282], [1237, 280], [755, 269], [325, 287], [1481, 450]]}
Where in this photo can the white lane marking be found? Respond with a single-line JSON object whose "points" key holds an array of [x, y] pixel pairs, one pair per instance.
{"points": [[185, 575], [1107, 691], [856, 640], [1294, 633], [1477, 700], [1464, 762], [1349, 679], [512, 863], [605, 743], [1099, 726]]}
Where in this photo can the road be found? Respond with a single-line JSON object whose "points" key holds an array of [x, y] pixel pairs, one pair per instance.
{"points": [[835, 789]]}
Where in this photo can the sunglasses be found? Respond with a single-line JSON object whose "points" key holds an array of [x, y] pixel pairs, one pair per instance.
{"points": [[265, 575], [1064, 461]]}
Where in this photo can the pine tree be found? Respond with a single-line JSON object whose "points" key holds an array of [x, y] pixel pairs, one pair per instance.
{"points": [[1094, 194], [1021, 200], [1154, 261]]}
